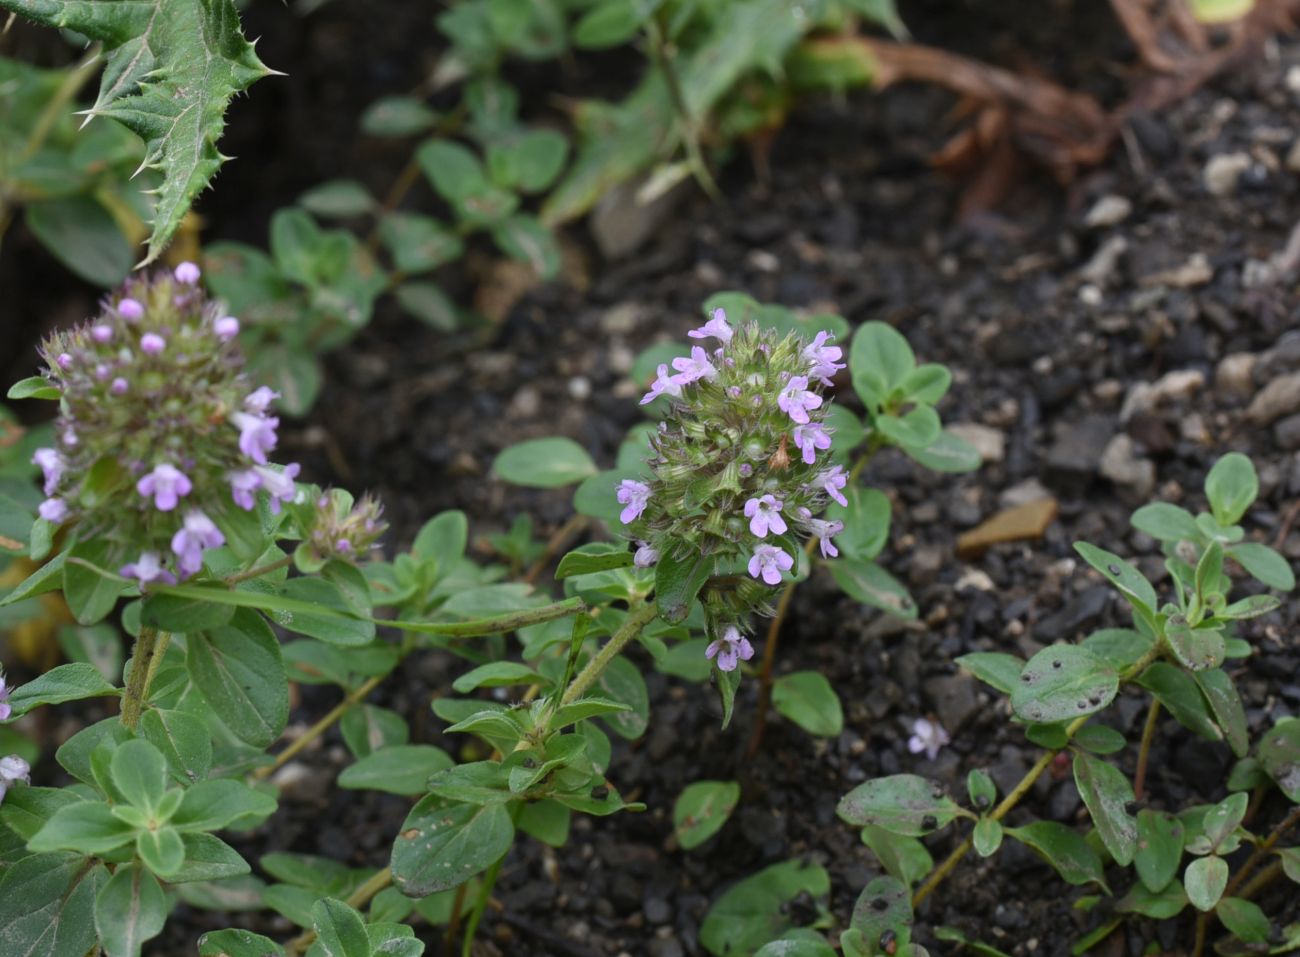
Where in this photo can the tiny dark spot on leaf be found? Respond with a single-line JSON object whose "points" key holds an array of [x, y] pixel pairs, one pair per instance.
{"points": [[929, 822], [880, 904], [1113, 569]]}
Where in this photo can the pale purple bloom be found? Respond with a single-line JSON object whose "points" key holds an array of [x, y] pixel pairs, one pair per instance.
{"points": [[697, 366], [343, 546], [242, 486], [809, 438], [260, 399], [927, 736], [5, 708], [256, 434], [69, 437], [12, 770], [130, 309], [226, 328], [765, 513], [746, 470], [664, 384], [101, 333], [187, 273], [634, 495], [147, 568], [831, 481], [118, 387], [53, 510], [768, 562], [824, 530], [730, 647], [197, 534], [717, 328], [646, 555], [795, 400], [166, 484], [278, 484], [822, 358], [102, 370], [52, 464], [65, 361], [151, 343], [734, 391]]}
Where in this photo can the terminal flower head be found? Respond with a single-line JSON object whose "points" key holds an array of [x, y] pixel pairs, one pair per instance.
{"points": [[729, 649]]}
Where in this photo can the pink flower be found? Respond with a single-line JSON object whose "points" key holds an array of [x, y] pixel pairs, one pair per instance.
{"points": [[822, 358], [260, 399], [101, 333], [645, 555], [824, 530], [147, 568], [691, 369], [53, 510], [130, 310], [167, 484], [151, 343], [279, 485], [242, 486], [52, 464], [717, 328], [65, 361], [809, 438], [730, 647], [118, 386], [256, 434], [226, 328], [831, 481], [634, 495], [664, 384], [196, 535], [187, 273], [765, 513], [768, 562], [927, 736], [795, 400], [5, 708]]}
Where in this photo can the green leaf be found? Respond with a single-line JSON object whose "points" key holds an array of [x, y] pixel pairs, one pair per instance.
{"points": [[1279, 753], [917, 429], [47, 904], [161, 850], [867, 582], [525, 239], [1160, 848], [1107, 792], [170, 73], [1166, 523], [866, 522], [182, 614], [26, 810], [583, 561], [995, 668], [904, 804], [544, 463], [701, 810], [1290, 862], [79, 232], [1225, 703], [1161, 905], [442, 539], [1205, 880], [527, 160], [497, 674], [58, 685], [608, 24], [548, 821], [884, 908], [129, 910], [219, 802], [1099, 739], [1121, 647], [926, 384], [90, 595], [337, 199], [1179, 693], [1130, 582], [241, 675], [796, 948], [341, 930], [88, 827], [183, 739], [328, 611], [1244, 919], [1264, 564], [678, 580], [459, 178], [880, 360], [905, 858], [208, 858], [443, 844], [949, 453], [808, 699], [429, 304], [1231, 487], [623, 682], [1195, 648], [398, 769], [753, 911], [238, 943], [47, 578], [987, 836], [1062, 847], [139, 772], [294, 373], [33, 387], [397, 116], [369, 728], [1061, 683], [418, 243]]}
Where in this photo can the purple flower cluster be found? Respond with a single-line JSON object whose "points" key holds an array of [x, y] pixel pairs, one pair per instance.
{"points": [[152, 390], [5, 709], [13, 769], [724, 483], [342, 529]]}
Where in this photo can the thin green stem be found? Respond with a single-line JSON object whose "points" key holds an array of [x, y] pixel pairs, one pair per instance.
{"points": [[258, 572], [637, 619], [481, 899], [149, 649], [319, 728], [1262, 850], [690, 131], [491, 626], [1144, 749]]}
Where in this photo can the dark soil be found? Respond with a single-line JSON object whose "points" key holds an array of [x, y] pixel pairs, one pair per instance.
{"points": [[1045, 342]]}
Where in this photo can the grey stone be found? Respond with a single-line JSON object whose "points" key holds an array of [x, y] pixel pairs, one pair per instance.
{"points": [[1287, 433], [954, 698], [1223, 172], [1108, 211], [1122, 465], [1234, 376], [621, 223], [991, 443], [1280, 397], [1077, 451]]}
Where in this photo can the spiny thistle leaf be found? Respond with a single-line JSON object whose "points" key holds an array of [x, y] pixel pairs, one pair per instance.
{"points": [[171, 68]]}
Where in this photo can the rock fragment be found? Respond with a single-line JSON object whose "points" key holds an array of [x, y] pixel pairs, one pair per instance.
{"points": [[1024, 522]]}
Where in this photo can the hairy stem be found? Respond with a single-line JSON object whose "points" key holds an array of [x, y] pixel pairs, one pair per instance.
{"points": [[637, 619], [358, 899], [491, 626], [320, 727], [149, 649], [1144, 749], [258, 572]]}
